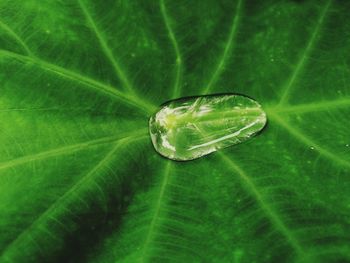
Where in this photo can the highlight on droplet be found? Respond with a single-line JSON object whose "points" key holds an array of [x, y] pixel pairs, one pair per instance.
{"points": [[188, 128]]}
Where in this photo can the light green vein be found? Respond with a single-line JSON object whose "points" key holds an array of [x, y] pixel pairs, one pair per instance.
{"points": [[310, 107], [105, 48], [81, 79], [309, 142], [305, 55], [178, 61], [67, 149], [13, 34], [265, 206], [61, 205], [227, 50], [72, 109], [156, 213]]}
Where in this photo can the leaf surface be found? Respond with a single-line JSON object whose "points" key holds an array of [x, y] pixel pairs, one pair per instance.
{"points": [[79, 178]]}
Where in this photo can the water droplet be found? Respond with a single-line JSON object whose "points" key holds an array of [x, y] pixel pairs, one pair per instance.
{"points": [[188, 128], [312, 148]]}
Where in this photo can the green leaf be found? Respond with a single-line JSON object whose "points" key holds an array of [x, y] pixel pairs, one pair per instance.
{"points": [[79, 178]]}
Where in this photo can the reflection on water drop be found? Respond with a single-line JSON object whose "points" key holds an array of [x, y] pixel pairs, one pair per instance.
{"points": [[188, 128]]}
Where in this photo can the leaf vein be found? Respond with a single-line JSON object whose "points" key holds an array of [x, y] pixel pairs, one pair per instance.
{"points": [[227, 50], [302, 60], [269, 211], [309, 142], [15, 36], [155, 217], [178, 61], [311, 107], [64, 150], [105, 47], [63, 202], [88, 82]]}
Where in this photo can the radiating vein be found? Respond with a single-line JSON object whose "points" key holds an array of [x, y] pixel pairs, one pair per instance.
{"points": [[227, 50], [309, 142], [178, 61], [14, 35], [156, 213], [86, 81], [58, 109], [265, 206], [68, 149], [304, 56], [68, 198], [311, 107], [106, 49]]}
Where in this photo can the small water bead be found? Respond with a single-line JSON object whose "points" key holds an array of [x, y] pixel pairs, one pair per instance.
{"points": [[188, 128]]}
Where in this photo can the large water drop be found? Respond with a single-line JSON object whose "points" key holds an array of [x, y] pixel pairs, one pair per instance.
{"points": [[188, 128]]}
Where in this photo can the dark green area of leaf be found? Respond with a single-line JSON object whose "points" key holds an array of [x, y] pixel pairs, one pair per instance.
{"points": [[79, 178]]}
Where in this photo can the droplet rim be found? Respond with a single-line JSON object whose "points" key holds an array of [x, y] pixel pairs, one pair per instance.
{"points": [[266, 124]]}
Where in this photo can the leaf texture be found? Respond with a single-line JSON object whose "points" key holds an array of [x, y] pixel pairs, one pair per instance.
{"points": [[79, 178]]}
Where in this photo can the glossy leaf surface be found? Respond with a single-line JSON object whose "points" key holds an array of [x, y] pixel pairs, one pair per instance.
{"points": [[79, 178]]}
